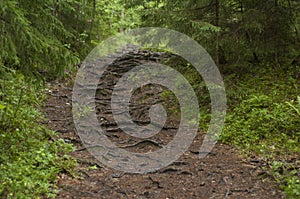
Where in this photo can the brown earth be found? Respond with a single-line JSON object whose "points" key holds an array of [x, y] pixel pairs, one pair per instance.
{"points": [[223, 173]]}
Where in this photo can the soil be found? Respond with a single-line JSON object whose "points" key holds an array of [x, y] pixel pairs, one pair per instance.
{"points": [[223, 173]]}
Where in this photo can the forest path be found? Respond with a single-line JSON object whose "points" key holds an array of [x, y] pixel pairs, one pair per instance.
{"points": [[221, 174]]}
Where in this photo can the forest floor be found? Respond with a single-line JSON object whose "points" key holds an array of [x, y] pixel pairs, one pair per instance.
{"points": [[223, 173]]}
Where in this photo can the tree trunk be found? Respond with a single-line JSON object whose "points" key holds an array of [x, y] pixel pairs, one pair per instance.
{"points": [[93, 18], [217, 23]]}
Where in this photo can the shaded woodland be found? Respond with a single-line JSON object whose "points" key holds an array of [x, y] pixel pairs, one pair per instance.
{"points": [[254, 43]]}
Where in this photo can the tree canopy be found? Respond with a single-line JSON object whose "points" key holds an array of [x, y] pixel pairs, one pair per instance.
{"points": [[241, 30]]}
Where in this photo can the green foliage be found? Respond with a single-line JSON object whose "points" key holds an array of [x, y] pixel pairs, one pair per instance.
{"points": [[29, 160], [194, 18], [263, 108], [288, 176], [262, 124], [263, 117], [50, 36], [292, 189], [234, 31], [264, 31], [296, 107], [43, 37], [33, 38], [114, 17]]}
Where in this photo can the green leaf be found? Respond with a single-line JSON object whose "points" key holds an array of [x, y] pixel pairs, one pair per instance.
{"points": [[2, 106]]}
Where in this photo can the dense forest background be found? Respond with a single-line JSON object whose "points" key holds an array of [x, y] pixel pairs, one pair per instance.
{"points": [[254, 43]]}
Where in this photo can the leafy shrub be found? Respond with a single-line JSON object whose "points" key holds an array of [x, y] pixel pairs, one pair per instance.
{"points": [[288, 177], [263, 117], [29, 159], [292, 189], [259, 120]]}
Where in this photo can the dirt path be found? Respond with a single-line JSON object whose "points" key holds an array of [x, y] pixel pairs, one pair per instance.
{"points": [[222, 174]]}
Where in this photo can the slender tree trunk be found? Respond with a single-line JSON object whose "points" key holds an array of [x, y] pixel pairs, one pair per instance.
{"points": [[93, 18], [293, 22], [122, 29], [217, 23]]}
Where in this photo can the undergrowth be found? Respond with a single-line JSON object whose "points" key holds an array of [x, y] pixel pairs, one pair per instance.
{"points": [[30, 157], [263, 116]]}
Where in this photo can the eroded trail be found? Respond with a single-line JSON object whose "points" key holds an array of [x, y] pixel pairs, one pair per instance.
{"points": [[222, 174]]}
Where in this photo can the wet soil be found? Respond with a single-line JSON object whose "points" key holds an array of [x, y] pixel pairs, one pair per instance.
{"points": [[223, 173]]}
